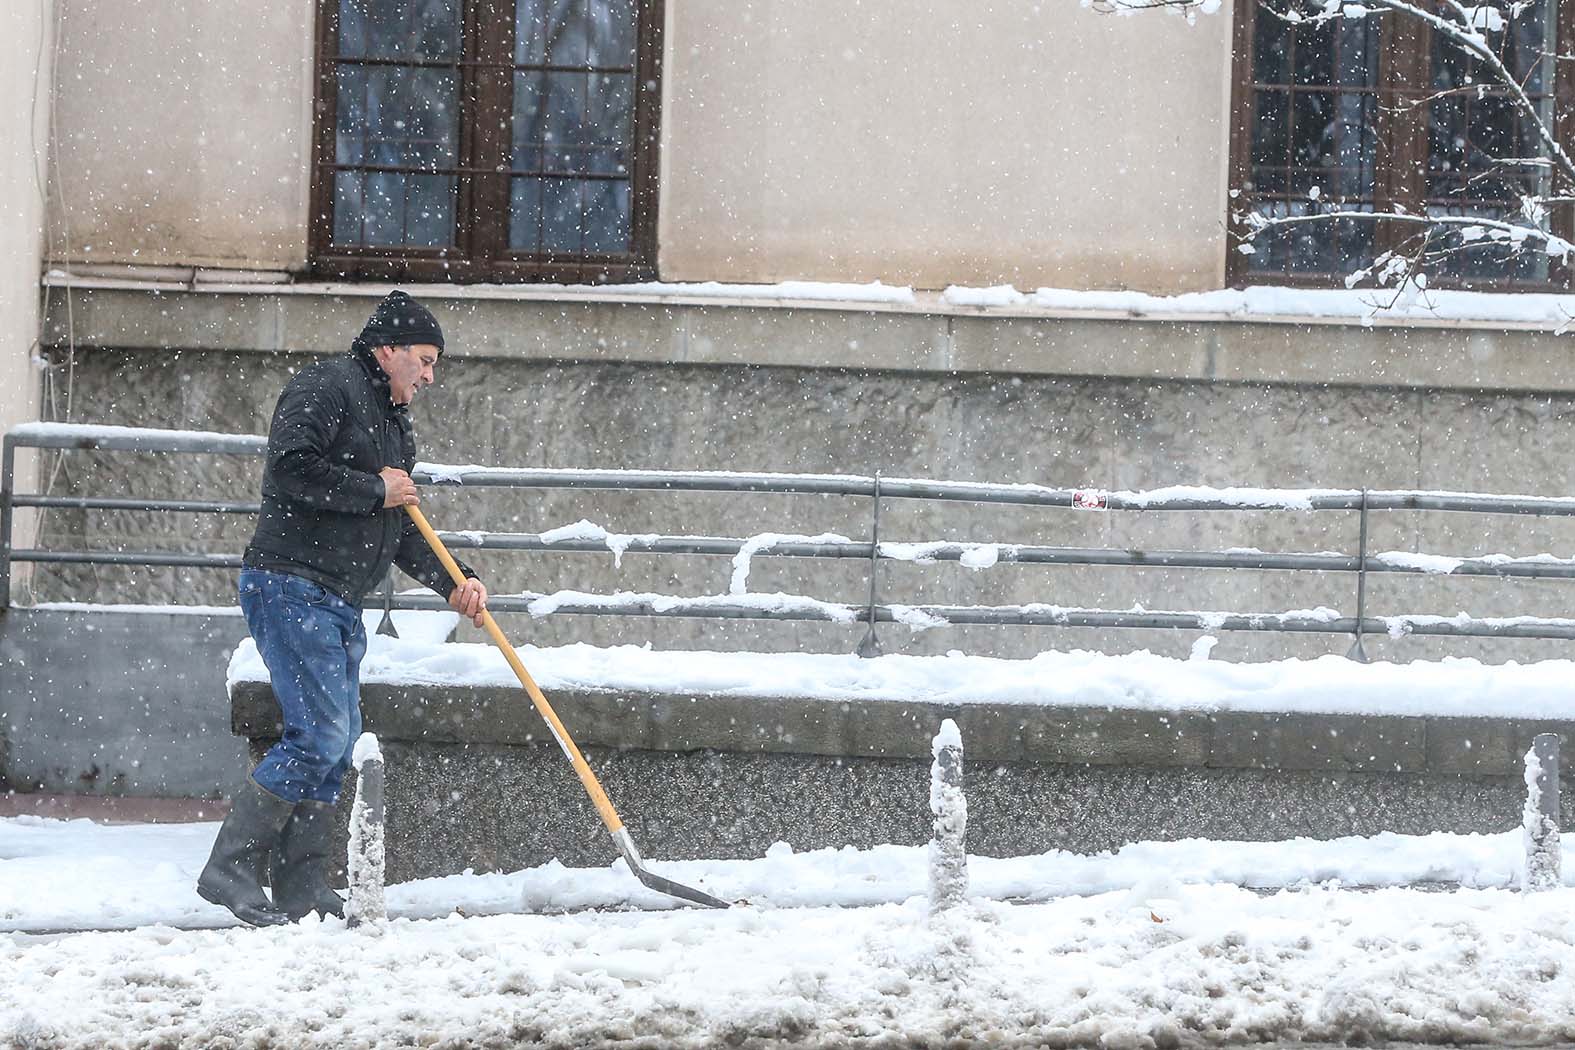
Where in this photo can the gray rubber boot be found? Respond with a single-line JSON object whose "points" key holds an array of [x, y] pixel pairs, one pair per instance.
{"points": [[233, 875], [300, 883]]}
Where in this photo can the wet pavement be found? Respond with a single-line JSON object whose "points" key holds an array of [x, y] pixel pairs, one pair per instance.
{"points": [[106, 810]]}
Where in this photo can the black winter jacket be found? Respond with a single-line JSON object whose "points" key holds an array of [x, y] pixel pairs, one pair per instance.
{"points": [[336, 426]]}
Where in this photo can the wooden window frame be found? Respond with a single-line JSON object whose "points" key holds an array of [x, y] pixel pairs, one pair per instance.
{"points": [[480, 252], [1405, 56]]}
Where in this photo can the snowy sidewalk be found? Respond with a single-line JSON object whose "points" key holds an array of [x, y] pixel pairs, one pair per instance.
{"points": [[62, 874], [1158, 946]]}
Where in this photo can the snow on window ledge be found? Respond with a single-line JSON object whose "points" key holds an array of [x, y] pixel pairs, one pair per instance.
{"points": [[1537, 311]]}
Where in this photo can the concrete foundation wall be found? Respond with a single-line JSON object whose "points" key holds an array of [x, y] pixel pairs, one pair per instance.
{"points": [[494, 809], [675, 385], [474, 781], [103, 703]]}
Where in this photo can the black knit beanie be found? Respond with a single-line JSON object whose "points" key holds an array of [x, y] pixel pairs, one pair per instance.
{"points": [[401, 321]]}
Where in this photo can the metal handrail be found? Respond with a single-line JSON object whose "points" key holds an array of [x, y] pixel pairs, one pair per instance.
{"points": [[108, 438], [66, 436], [1027, 554], [1033, 615]]}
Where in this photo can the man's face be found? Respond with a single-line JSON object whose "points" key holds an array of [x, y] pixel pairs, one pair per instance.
{"points": [[409, 369]]}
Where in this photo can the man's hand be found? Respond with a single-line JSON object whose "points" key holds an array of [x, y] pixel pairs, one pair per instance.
{"points": [[398, 489], [470, 599]]}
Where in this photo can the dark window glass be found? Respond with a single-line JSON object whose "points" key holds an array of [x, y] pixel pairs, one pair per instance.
{"points": [[1271, 134], [1312, 148], [561, 210], [577, 124], [1473, 127], [590, 33], [607, 217], [1313, 247], [396, 127], [403, 30], [1271, 53], [402, 172], [1313, 47], [397, 116]]}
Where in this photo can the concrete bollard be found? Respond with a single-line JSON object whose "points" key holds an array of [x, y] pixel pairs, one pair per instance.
{"points": [[948, 849], [366, 904], [1540, 819]]}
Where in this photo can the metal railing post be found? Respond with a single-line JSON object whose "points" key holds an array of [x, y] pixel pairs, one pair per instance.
{"points": [[1357, 651], [869, 645]]}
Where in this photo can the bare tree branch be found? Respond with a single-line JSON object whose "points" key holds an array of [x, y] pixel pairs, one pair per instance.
{"points": [[1508, 228]]}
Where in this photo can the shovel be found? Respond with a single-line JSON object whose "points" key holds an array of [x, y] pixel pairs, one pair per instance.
{"points": [[593, 787]]}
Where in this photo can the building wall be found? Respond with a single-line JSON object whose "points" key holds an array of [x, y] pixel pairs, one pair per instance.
{"points": [[24, 126], [185, 128], [934, 143], [26, 52], [923, 143]]}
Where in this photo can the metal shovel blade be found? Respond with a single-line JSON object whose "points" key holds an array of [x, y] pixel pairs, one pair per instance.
{"points": [[656, 882]]}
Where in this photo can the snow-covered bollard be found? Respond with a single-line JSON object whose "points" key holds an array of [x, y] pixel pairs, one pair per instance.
{"points": [[366, 903], [948, 849], [1540, 819]]}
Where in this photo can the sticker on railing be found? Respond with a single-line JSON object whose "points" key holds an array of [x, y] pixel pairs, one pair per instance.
{"points": [[1092, 499]]}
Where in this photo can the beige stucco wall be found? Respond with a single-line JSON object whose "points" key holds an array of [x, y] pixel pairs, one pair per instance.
{"points": [[25, 54], [24, 128], [925, 143], [184, 132], [24, 136], [930, 142]]}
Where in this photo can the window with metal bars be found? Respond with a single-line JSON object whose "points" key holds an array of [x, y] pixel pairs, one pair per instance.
{"points": [[486, 140], [1382, 113]]}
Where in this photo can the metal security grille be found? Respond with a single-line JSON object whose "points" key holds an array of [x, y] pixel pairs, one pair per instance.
{"points": [[487, 139]]}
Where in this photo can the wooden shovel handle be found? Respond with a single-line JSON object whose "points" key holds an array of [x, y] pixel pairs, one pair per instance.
{"points": [[593, 787]]}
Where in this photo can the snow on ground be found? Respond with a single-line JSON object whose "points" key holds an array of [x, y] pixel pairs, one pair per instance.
{"points": [[1176, 944], [1221, 965], [1160, 949], [57, 874]]}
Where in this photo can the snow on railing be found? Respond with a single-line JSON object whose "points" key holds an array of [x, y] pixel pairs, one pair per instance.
{"points": [[587, 536], [1174, 497]]}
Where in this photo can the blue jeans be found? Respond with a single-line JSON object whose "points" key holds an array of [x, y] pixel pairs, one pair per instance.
{"points": [[312, 642]]}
